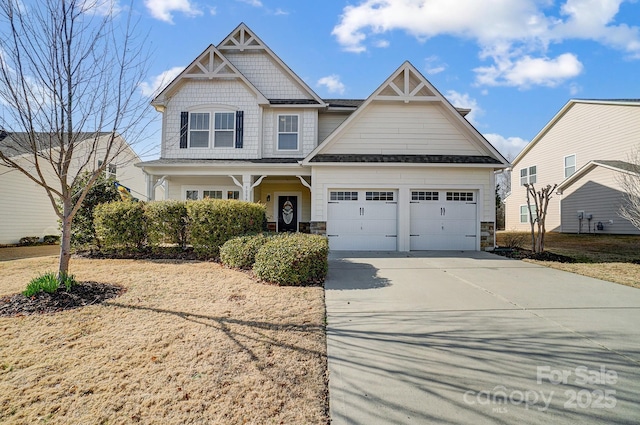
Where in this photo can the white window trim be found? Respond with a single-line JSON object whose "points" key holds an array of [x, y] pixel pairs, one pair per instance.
{"points": [[212, 110], [528, 176], [213, 131], [201, 190], [299, 132], [527, 221], [575, 165]]}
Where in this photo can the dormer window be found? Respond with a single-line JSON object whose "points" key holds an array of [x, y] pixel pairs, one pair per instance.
{"points": [[287, 132]]}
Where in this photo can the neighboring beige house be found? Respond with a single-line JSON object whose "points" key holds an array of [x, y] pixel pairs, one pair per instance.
{"points": [[25, 208], [584, 149], [401, 170]]}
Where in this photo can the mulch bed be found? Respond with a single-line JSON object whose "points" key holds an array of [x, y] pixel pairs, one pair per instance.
{"points": [[80, 295], [521, 254]]}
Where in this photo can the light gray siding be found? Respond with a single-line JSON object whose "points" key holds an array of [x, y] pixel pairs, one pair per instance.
{"points": [[591, 131], [598, 194], [329, 122]]}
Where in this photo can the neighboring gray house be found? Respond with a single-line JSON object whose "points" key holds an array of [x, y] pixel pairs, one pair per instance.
{"points": [[584, 148], [25, 208], [401, 170]]}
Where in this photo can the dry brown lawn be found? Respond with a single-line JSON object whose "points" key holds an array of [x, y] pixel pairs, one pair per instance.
{"points": [[607, 257], [188, 343]]}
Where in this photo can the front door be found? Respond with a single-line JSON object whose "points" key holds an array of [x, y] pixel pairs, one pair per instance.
{"points": [[287, 213]]}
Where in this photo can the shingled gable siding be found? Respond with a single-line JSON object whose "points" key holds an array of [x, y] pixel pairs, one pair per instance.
{"points": [[271, 80], [226, 96]]}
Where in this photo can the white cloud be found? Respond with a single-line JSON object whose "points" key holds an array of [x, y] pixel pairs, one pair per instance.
{"points": [[463, 100], [382, 44], [512, 33], [160, 81], [509, 147], [332, 83], [254, 3], [164, 9], [527, 71], [101, 7], [280, 12], [434, 66]]}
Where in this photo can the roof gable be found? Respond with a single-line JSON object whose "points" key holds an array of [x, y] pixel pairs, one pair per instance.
{"points": [[563, 112], [614, 165], [209, 65], [407, 86], [242, 39]]}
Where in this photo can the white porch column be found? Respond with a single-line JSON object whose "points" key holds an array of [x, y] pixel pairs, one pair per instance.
{"points": [[151, 187]]}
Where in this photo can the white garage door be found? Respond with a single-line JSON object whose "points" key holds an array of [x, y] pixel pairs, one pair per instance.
{"points": [[363, 220], [443, 220]]}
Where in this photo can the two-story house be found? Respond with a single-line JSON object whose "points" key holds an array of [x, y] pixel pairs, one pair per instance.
{"points": [[584, 149], [26, 209], [401, 170]]}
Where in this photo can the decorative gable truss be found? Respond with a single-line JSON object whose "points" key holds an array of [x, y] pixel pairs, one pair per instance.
{"points": [[406, 85], [242, 39], [209, 65]]}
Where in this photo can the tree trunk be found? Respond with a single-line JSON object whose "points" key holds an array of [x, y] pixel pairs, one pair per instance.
{"points": [[65, 241]]}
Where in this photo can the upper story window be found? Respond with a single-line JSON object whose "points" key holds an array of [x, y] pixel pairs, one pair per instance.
{"points": [[110, 171], [211, 129], [199, 130], [569, 165], [223, 130], [528, 175], [288, 132]]}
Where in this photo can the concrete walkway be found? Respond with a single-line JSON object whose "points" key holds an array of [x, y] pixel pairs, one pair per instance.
{"points": [[472, 338]]}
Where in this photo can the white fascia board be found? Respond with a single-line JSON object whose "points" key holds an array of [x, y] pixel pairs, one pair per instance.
{"points": [[402, 165], [209, 170]]}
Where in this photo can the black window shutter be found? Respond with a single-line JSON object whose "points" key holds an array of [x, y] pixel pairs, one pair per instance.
{"points": [[184, 128], [239, 128]]}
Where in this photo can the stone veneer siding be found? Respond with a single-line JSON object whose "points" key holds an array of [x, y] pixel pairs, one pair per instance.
{"points": [[487, 235], [318, 227]]}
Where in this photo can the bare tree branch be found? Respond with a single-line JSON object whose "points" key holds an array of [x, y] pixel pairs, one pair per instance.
{"points": [[69, 94]]}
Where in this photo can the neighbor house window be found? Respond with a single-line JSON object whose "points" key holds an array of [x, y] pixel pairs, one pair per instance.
{"points": [[528, 175], [233, 194], [192, 195], [524, 213], [199, 130], [110, 171], [288, 132], [569, 165], [223, 129]]}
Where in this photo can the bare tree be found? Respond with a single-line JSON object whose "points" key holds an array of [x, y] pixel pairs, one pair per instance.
{"points": [[69, 77], [541, 200], [630, 182]]}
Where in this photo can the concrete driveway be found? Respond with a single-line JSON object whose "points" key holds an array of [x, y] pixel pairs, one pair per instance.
{"points": [[472, 338]]}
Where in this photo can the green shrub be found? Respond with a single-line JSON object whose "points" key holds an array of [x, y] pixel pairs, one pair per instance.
{"points": [[51, 239], [241, 252], [293, 259], [212, 222], [83, 232], [166, 223], [29, 240], [49, 283], [120, 225]]}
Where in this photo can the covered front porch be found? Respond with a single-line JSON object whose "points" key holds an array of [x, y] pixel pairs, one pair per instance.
{"points": [[285, 189]]}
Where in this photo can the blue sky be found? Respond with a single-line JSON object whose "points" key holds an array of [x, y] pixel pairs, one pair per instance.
{"points": [[515, 63]]}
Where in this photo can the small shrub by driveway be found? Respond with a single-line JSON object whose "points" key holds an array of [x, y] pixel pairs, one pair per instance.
{"points": [[187, 343]]}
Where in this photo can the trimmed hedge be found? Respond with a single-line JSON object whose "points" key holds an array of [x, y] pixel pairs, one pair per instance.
{"points": [[166, 223], [293, 259], [212, 222], [120, 225], [241, 252]]}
